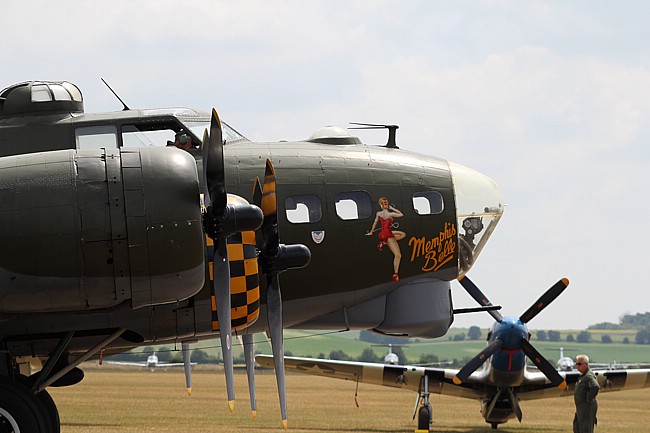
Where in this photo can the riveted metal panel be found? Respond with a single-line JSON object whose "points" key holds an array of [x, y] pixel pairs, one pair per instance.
{"points": [[130, 158], [98, 280], [115, 197], [141, 289], [121, 269], [134, 200], [92, 200], [139, 262], [117, 212], [132, 177], [136, 229]]}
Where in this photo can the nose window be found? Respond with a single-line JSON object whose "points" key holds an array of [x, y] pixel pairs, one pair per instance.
{"points": [[303, 209], [428, 203], [353, 205]]}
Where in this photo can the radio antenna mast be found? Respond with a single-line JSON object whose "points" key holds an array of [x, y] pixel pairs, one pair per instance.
{"points": [[118, 98]]}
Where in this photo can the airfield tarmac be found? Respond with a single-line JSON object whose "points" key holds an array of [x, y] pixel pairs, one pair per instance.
{"points": [[111, 400]]}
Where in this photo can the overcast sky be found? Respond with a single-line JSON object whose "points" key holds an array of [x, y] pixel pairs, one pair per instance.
{"points": [[549, 98]]}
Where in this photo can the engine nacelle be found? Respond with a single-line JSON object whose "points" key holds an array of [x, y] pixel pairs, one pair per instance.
{"points": [[85, 230]]}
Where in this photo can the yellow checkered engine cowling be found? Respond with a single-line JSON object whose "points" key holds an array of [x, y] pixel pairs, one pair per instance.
{"points": [[244, 281]]}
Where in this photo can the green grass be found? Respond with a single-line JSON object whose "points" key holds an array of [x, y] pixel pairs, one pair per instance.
{"points": [[305, 343], [316, 343]]}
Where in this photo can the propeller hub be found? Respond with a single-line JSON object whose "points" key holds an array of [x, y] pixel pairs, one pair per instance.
{"points": [[232, 219], [285, 257], [511, 331]]}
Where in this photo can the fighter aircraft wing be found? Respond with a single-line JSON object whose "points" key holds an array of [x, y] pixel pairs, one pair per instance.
{"points": [[130, 364], [172, 364], [395, 376], [476, 386], [536, 385]]}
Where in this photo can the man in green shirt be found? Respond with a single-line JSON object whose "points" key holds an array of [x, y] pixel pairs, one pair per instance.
{"points": [[584, 396]]}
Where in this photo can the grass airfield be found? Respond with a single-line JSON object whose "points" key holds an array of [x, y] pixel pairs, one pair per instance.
{"points": [[116, 400]]}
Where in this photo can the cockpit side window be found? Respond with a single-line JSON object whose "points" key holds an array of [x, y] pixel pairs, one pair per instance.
{"points": [[353, 205], [96, 137], [428, 203], [303, 209], [134, 137]]}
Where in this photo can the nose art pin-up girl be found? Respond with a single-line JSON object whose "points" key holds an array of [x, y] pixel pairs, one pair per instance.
{"points": [[387, 236]]}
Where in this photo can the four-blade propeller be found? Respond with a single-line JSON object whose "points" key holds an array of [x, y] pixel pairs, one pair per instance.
{"points": [[275, 258], [221, 220], [515, 336], [541, 362]]}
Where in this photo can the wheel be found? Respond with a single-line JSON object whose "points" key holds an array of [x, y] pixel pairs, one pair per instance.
{"points": [[50, 410], [495, 425], [424, 415], [46, 404], [20, 410], [8, 423]]}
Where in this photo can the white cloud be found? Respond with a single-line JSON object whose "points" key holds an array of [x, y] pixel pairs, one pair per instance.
{"points": [[549, 98]]}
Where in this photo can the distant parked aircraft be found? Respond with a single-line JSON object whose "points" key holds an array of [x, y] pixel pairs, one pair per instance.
{"points": [[151, 363]]}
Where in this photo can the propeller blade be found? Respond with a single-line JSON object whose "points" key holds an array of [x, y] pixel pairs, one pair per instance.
{"points": [[205, 139], [249, 357], [479, 297], [274, 317], [548, 297], [215, 199], [477, 361], [205, 144], [542, 363], [275, 258], [257, 201], [270, 236], [269, 199], [220, 221], [221, 283], [185, 349], [257, 193], [213, 165], [515, 404], [270, 239]]}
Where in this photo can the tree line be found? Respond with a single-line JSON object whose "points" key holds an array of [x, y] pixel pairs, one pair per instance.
{"points": [[639, 321]]}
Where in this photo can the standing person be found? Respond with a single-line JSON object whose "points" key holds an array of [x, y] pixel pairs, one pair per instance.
{"points": [[585, 397], [387, 236]]}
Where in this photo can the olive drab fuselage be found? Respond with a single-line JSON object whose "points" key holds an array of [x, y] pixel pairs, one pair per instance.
{"points": [[101, 228]]}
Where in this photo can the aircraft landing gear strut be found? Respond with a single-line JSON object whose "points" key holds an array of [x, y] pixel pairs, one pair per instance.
{"points": [[425, 413]]}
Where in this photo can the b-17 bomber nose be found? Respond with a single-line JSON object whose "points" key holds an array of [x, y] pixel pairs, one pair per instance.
{"points": [[479, 207]]}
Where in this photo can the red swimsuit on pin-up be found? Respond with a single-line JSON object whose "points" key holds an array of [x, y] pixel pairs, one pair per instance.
{"points": [[385, 232]]}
